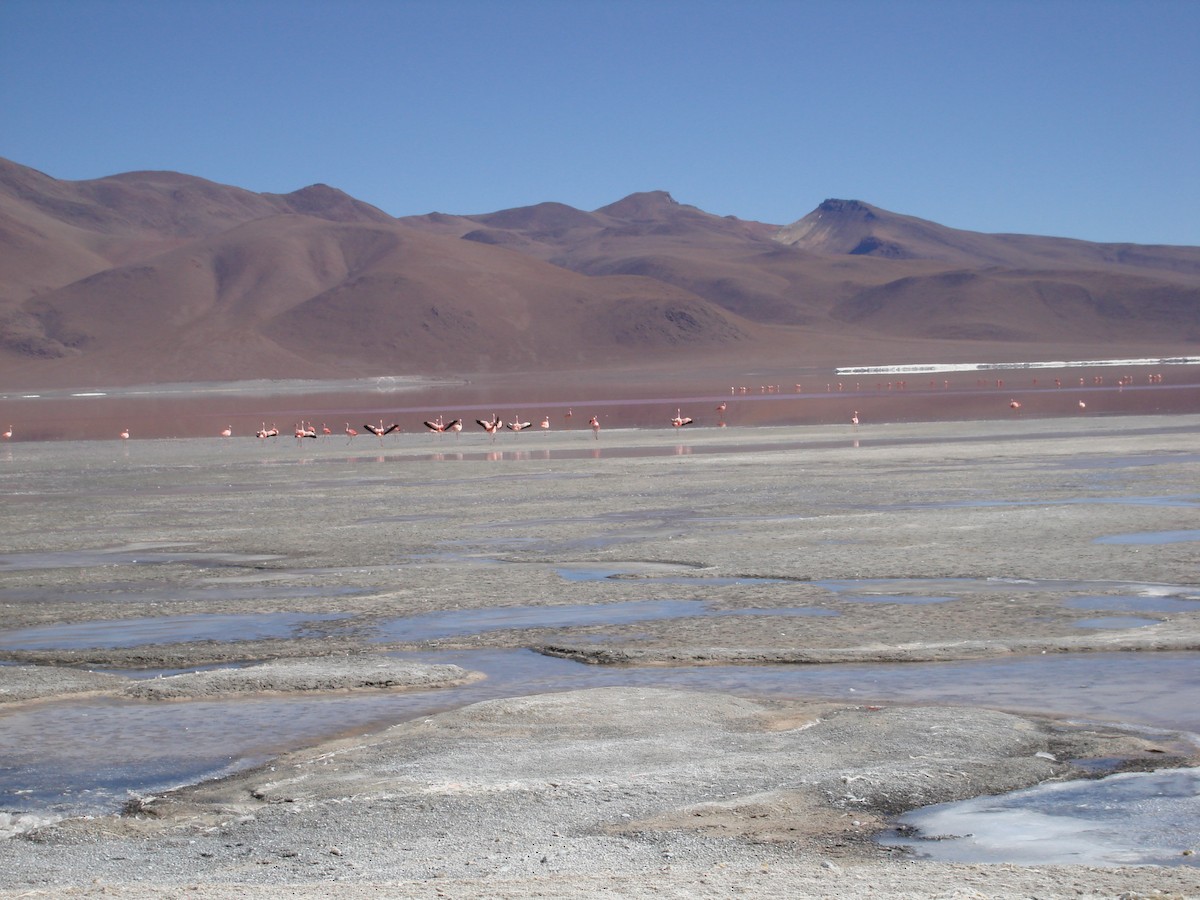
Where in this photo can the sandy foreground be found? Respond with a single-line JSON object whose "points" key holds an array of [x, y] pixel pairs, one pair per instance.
{"points": [[615, 791]]}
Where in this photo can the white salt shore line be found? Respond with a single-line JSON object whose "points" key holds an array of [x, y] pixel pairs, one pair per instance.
{"points": [[987, 367]]}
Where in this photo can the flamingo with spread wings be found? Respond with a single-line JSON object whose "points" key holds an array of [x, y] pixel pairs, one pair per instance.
{"points": [[380, 430], [491, 426]]}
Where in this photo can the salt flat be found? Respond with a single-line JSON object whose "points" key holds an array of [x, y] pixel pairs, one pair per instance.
{"points": [[772, 547]]}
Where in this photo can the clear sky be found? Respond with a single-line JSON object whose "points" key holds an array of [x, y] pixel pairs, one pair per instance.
{"points": [[1078, 118]]}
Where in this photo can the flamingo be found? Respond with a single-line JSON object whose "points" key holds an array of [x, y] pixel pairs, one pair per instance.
{"points": [[125, 435], [546, 422], [679, 421], [721, 407], [1014, 404], [455, 426], [350, 432], [304, 430], [854, 418], [266, 432], [435, 425], [227, 431], [1082, 405], [8, 433], [381, 431], [517, 425], [491, 426], [568, 415], [594, 421], [325, 430]]}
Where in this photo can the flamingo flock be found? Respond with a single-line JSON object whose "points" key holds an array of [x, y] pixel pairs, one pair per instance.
{"points": [[495, 424]]}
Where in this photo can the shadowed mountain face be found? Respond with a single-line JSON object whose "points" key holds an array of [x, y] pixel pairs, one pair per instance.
{"points": [[158, 276]]}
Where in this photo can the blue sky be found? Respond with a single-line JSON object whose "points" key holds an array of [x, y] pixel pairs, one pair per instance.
{"points": [[1078, 118]]}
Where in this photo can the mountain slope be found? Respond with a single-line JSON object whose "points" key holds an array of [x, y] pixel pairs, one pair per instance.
{"points": [[288, 293], [158, 276], [854, 228]]}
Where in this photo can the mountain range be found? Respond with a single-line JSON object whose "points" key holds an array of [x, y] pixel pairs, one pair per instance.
{"points": [[150, 277]]}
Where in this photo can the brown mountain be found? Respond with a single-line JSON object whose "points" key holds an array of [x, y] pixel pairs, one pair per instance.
{"points": [[158, 276]]}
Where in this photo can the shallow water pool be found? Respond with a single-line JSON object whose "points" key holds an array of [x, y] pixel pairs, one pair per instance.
{"points": [[1143, 818], [87, 756]]}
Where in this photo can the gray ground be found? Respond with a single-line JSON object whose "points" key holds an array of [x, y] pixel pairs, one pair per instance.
{"points": [[618, 791]]}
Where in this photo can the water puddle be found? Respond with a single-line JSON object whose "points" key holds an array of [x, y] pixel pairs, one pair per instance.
{"points": [[659, 573], [1138, 603], [1116, 622], [1147, 818], [1185, 500], [457, 622], [1151, 537], [78, 758], [84, 756], [597, 572], [113, 633], [209, 592], [130, 554]]}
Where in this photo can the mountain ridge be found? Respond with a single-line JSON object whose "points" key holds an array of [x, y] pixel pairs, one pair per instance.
{"points": [[158, 272]]}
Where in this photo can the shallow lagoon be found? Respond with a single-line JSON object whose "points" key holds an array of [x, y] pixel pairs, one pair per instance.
{"points": [[641, 540]]}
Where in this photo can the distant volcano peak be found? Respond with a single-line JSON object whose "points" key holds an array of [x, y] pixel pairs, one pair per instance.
{"points": [[847, 208], [646, 204]]}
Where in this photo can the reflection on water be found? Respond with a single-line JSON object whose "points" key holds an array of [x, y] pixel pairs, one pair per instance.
{"points": [[166, 630], [1116, 622], [1141, 603], [84, 756], [1152, 537], [203, 410]]}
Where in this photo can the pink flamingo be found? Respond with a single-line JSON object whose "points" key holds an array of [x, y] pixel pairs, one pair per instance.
{"points": [[381, 431], [491, 426], [594, 421]]}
